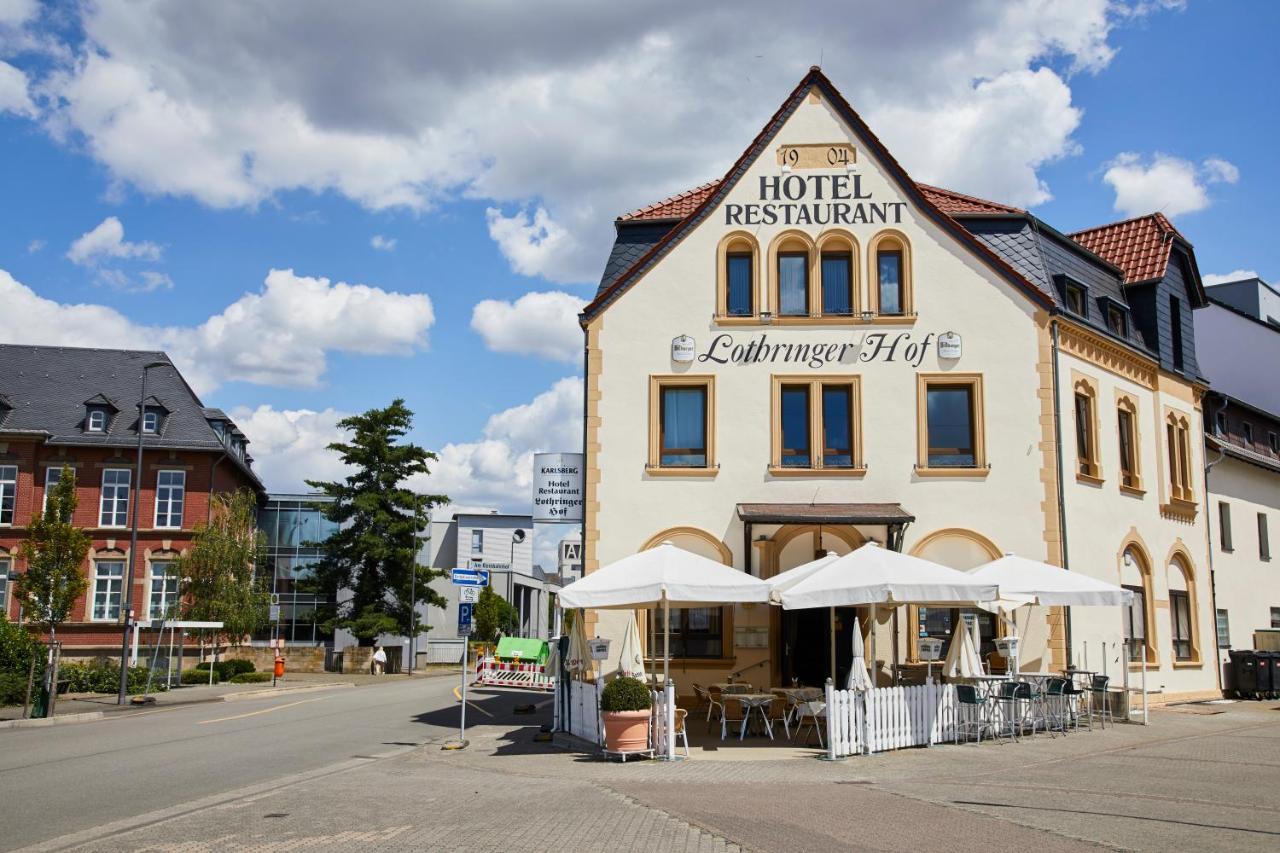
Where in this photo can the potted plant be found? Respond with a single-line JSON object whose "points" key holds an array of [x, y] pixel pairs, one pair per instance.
{"points": [[626, 705]]}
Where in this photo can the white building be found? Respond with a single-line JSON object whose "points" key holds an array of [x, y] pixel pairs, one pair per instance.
{"points": [[815, 350], [1238, 339], [501, 544]]}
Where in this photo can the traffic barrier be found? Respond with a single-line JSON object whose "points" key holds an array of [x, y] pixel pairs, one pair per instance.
{"points": [[531, 676]]}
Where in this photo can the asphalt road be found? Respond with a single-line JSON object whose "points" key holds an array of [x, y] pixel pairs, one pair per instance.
{"points": [[56, 781]]}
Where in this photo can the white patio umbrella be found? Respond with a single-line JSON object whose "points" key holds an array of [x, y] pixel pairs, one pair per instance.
{"points": [[962, 657], [1023, 581], [631, 653], [875, 575], [578, 658], [664, 577], [858, 677]]}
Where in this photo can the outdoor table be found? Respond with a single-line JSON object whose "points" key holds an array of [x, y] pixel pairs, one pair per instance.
{"points": [[985, 683], [727, 687], [796, 696], [753, 702]]}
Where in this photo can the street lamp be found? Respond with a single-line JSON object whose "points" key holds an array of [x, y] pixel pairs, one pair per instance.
{"points": [[413, 589], [123, 697]]}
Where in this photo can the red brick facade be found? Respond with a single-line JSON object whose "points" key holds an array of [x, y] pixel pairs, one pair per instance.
{"points": [[206, 472]]}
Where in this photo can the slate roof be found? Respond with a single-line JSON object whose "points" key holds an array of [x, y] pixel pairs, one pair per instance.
{"points": [[1139, 246], [47, 388]]}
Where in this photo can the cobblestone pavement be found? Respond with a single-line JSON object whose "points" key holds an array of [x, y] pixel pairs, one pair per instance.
{"points": [[1200, 777]]}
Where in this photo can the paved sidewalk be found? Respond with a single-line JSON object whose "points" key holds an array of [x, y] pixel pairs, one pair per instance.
{"points": [[1200, 777]]}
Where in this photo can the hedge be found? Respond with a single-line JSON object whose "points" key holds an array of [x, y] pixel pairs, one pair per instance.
{"points": [[102, 675], [251, 678], [229, 668], [199, 676]]}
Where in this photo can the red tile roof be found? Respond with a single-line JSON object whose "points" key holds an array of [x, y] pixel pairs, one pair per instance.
{"points": [[680, 206], [1138, 246], [952, 202], [677, 207]]}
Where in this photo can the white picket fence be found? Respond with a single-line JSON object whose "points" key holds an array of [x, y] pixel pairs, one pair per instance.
{"points": [[662, 722], [582, 707], [889, 718]]}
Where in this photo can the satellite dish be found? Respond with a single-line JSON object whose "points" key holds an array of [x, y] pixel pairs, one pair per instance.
{"points": [[518, 536]]}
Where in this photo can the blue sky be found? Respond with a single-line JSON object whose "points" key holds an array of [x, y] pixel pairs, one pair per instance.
{"points": [[192, 151]]}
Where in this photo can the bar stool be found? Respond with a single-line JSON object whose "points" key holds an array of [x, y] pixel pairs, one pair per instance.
{"points": [[1098, 689]]}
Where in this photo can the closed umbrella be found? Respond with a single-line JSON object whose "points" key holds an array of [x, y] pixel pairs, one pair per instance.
{"points": [[631, 653], [859, 679], [578, 660], [962, 656]]}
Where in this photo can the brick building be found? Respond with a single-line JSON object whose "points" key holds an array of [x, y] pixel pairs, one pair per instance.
{"points": [[78, 408]]}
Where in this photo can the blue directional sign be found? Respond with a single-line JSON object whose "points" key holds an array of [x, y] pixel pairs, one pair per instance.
{"points": [[464, 618], [470, 577]]}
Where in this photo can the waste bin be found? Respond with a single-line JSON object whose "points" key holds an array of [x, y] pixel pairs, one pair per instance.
{"points": [[1268, 674], [1244, 673]]}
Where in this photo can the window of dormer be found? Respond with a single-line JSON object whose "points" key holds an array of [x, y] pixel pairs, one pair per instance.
{"points": [[97, 420], [1117, 321], [150, 422], [1075, 300]]}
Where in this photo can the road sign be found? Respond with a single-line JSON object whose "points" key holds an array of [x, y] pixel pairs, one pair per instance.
{"points": [[469, 594], [470, 577], [464, 618], [274, 613]]}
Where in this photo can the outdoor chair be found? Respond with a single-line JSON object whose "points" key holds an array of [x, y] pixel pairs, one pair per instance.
{"points": [[1055, 706], [713, 703], [681, 734], [1071, 694], [972, 713], [779, 711], [1100, 700], [813, 712], [731, 713], [1017, 704]]}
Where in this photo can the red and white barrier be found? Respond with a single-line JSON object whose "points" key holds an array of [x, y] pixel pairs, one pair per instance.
{"points": [[496, 673]]}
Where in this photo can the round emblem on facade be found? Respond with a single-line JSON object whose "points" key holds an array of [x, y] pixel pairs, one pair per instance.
{"points": [[950, 345], [682, 349]]}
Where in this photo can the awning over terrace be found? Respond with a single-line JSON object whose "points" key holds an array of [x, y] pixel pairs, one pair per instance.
{"points": [[797, 513]]}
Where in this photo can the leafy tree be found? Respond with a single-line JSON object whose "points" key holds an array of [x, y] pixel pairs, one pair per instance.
{"points": [[218, 581], [374, 551], [492, 614], [54, 551]]}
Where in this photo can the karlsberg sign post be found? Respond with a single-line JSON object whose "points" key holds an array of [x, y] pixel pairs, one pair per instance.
{"points": [[557, 488]]}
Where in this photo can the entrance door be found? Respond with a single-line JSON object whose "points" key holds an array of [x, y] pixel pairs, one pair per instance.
{"points": [[806, 646]]}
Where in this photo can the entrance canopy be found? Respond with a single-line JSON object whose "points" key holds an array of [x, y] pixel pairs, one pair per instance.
{"points": [[794, 513], [1024, 581], [875, 575], [665, 574]]}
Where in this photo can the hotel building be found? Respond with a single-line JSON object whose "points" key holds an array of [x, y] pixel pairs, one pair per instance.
{"points": [[815, 351]]}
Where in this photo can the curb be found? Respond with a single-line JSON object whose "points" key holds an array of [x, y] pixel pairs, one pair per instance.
{"points": [[282, 691], [64, 719]]}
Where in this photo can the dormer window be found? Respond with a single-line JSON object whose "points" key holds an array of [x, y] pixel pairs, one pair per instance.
{"points": [[97, 421], [1117, 321], [1076, 303], [150, 422]]}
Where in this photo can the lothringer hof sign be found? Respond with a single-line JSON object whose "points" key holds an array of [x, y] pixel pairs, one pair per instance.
{"points": [[557, 487]]}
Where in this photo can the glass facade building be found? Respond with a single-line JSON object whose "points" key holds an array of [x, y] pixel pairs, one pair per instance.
{"points": [[294, 525]]}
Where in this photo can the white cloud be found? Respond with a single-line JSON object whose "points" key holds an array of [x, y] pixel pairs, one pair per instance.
{"points": [[18, 11], [494, 471], [382, 244], [144, 282], [1165, 183], [1213, 278], [574, 115], [14, 96], [106, 240], [289, 446], [280, 335], [542, 324], [34, 246]]}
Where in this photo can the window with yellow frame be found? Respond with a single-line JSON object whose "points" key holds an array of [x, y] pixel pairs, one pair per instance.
{"points": [[817, 425]]}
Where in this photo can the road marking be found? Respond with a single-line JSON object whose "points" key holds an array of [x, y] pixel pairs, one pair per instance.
{"points": [[262, 710], [474, 706]]}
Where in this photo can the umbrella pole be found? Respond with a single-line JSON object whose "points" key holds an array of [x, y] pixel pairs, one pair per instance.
{"points": [[833, 645], [666, 639], [875, 681]]}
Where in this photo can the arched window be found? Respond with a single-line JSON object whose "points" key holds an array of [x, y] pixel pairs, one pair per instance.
{"points": [[1127, 434], [791, 262], [889, 255], [1085, 406], [1139, 616], [1178, 444], [1182, 610], [838, 275], [738, 277], [696, 632]]}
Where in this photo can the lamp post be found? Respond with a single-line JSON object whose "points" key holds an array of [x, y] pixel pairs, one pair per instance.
{"points": [[413, 589], [123, 697]]}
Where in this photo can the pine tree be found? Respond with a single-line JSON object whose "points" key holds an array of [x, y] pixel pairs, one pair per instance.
{"points": [[54, 551], [374, 551], [218, 571]]}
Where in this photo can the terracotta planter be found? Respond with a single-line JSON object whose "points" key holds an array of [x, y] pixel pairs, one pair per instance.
{"points": [[626, 731]]}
